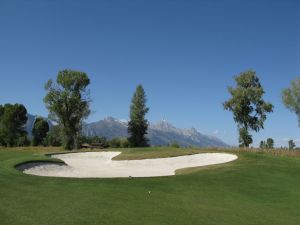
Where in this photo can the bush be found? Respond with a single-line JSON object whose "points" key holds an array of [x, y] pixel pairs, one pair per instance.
{"points": [[119, 143], [174, 145], [93, 139], [125, 143], [115, 143]]}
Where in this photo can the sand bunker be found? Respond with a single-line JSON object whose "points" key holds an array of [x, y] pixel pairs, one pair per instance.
{"points": [[100, 164]]}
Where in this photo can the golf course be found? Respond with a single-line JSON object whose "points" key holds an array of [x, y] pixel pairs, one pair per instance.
{"points": [[152, 112], [260, 187]]}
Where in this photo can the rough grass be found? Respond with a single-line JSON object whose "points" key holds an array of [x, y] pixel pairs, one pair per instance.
{"points": [[260, 188]]}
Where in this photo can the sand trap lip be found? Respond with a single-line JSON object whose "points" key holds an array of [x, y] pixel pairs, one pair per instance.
{"points": [[100, 164]]}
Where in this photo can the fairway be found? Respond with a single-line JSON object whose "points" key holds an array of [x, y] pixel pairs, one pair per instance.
{"points": [[258, 188]]}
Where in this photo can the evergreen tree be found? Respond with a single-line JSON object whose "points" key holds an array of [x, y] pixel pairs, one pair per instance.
{"points": [[138, 125]]}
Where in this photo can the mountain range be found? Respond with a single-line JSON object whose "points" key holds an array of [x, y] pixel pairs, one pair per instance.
{"points": [[162, 133]]}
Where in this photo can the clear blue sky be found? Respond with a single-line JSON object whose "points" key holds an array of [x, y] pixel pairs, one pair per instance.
{"points": [[184, 53]]}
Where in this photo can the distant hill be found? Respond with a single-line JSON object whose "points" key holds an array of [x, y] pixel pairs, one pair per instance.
{"points": [[162, 133]]}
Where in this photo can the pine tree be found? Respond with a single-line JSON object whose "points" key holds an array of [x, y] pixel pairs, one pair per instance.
{"points": [[138, 125]]}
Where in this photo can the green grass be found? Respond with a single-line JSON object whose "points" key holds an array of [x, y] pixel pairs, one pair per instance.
{"points": [[156, 152], [256, 189]]}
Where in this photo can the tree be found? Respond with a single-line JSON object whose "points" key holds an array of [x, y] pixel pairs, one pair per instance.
{"points": [[68, 104], [270, 143], [12, 124], [23, 141], [248, 107], [292, 145], [262, 144], [53, 137], [138, 125], [291, 97], [39, 131]]}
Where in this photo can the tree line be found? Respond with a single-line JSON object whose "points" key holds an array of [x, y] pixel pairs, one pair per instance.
{"points": [[68, 102]]}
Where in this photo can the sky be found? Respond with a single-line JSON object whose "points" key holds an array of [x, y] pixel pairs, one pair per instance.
{"points": [[185, 54]]}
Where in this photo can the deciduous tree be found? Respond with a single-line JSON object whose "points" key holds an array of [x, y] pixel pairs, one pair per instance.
{"points": [[291, 98], [247, 105], [12, 123], [53, 137], [68, 103], [39, 131], [270, 143], [262, 144], [292, 145]]}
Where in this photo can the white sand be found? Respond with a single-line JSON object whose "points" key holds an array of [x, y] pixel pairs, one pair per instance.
{"points": [[100, 164]]}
